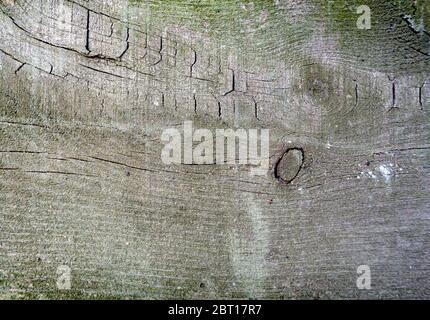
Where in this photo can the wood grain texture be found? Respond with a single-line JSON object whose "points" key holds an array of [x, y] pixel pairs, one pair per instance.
{"points": [[87, 87]]}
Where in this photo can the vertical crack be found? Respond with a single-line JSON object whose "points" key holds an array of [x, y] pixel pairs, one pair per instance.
{"points": [[111, 30], [87, 43], [127, 43], [102, 106], [160, 53], [233, 82], [195, 103], [219, 106], [420, 96], [219, 109], [194, 62], [20, 67], [356, 94], [255, 108]]}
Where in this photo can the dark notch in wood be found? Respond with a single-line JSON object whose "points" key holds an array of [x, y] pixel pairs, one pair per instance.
{"points": [[280, 175]]}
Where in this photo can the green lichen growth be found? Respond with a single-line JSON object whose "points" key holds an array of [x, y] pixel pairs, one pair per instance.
{"points": [[341, 15], [422, 14], [261, 28], [398, 32], [263, 31]]}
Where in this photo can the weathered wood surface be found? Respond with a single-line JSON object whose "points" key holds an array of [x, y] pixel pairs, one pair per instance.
{"points": [[87, 87]]}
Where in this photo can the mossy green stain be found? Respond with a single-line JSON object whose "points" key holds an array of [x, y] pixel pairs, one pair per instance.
{"points": [[262, 28]]}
